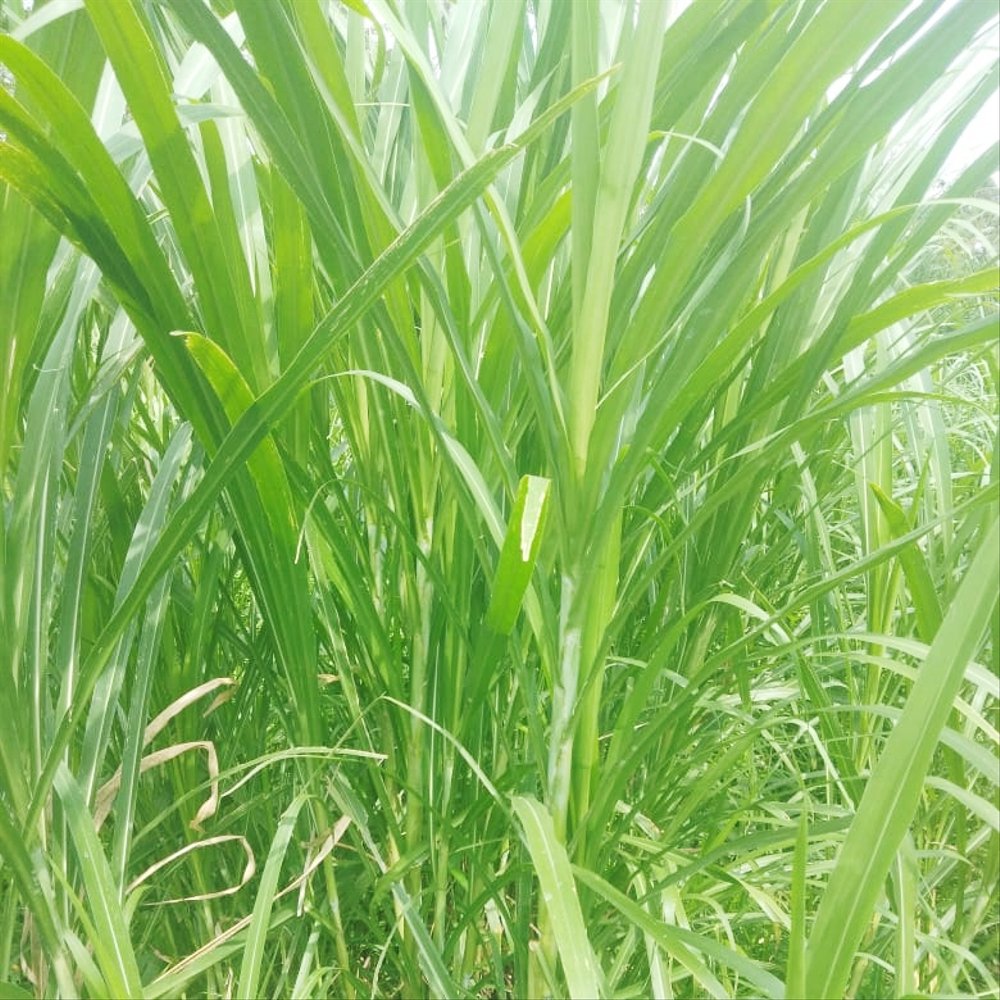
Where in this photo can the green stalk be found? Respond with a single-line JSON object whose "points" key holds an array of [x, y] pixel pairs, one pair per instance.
{"points": [[624, 153], [586, 746]]}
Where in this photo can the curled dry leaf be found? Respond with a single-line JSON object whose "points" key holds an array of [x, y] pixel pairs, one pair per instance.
{"points": [[248, 870], [107, 792]]}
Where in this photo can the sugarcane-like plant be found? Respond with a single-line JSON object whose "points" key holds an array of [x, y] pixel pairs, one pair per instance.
{"points": [[499, 499]]}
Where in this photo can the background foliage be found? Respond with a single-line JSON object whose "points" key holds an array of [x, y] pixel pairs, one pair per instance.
{"points": [[499, 499]]}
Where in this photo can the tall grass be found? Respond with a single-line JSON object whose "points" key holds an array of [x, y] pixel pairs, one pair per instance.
{"points": [[498, 499]]}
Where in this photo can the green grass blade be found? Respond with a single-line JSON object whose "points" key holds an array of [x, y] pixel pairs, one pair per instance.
{"points": [[253, 951], [918, 576], [891, 796], [8, 991], [442, 985], [113, 945], [795, 974], [905, 876], [680, 942], [555, 876], [141, 72], [17, 859], [620, 164]]}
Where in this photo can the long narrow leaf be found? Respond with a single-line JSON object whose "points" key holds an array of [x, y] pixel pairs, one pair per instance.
{"points": [[555, 876], [892, 793]]}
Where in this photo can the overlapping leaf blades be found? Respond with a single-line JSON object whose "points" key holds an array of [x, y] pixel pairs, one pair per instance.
{"points": [[663, 265]]}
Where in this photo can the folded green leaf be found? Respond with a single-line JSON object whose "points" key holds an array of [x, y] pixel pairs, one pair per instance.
{"points": [[519, 552], [918, 576]]}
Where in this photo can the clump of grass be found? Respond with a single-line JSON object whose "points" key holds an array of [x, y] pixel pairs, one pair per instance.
{"points": [[498, 500]]}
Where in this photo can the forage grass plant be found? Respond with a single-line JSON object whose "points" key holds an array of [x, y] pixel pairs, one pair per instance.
{"points": [[499, 499]]}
